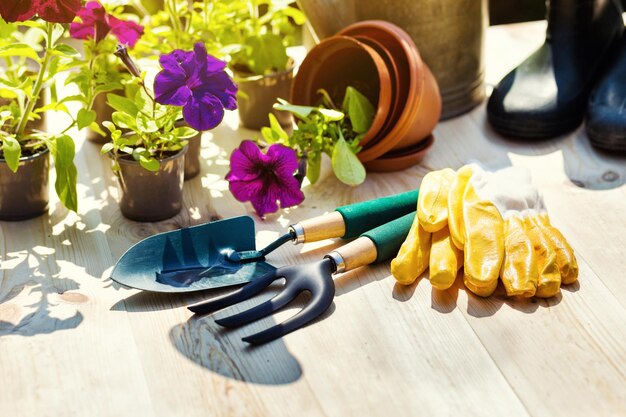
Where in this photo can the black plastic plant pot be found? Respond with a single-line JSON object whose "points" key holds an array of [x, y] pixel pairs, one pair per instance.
{"points": [[149, 196], [24, 194], [257, 95]]}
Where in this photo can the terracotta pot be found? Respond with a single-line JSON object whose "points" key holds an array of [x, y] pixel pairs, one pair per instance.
{"points": [[257, 95], [151, 196], [192, 158], [450, 35], [337, 63], [104, 113], [24, 194], [400, 160], [419, 96]]}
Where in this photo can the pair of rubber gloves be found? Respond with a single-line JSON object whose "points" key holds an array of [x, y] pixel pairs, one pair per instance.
{"points": [[494, 224]]}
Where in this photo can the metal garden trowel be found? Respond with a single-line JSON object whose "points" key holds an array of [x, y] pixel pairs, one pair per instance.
{"points": [[223, 253]]}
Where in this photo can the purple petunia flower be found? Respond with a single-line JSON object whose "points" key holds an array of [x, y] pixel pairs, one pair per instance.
{"points": [[264, 179], [96, 22], [197, 81]]}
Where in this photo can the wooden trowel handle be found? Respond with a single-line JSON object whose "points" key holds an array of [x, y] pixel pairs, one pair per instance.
{"points": [[353, 220]]}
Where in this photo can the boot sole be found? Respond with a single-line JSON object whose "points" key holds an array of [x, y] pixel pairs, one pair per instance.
{"points": [[608, 141], [533, 129]]}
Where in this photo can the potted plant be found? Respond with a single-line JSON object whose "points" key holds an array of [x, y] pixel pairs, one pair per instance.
{"points": [[256, 40], [179, 24], [149, 158], [24, 153], [99, 71]]}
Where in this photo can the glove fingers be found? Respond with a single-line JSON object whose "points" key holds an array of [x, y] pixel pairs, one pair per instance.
{"points": [[445, 260], [432, 202], [565, 258], [455, 206], [549, 279], [484, 243], [412, 259], [519, 269]]}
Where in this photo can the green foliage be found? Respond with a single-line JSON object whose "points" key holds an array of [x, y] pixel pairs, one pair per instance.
{"points": [[253, 35], [327, 130], [153, 131], [33, 56]]}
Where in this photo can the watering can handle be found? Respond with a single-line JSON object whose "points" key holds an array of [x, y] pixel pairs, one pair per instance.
{"points": [[353, 220], [376, 245]]}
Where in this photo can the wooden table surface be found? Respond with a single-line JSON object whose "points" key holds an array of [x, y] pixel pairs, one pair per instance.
{"points": [[73, 343]]}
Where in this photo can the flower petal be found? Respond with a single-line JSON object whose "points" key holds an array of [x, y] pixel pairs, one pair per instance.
{"points": [[58, 11], [92, 21], [204, 112], [284, 161], [127, 32], [170, 88], [17, 10], [222, 86], [245, 162], [207, 63]]}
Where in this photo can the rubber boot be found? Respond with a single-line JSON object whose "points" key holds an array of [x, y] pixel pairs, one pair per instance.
{"points": [[547, 94], [606, 112]]}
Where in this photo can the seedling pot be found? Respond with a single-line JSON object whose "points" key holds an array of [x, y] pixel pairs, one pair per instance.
{"points": [[257, 95], [24, 194], [400, 160], [151, 196]]}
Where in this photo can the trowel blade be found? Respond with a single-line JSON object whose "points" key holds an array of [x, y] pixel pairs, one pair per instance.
{"points": [[191, 259]]}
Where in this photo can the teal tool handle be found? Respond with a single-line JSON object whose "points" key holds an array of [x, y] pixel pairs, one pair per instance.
{"points": [[389, 237], [361, 217]]}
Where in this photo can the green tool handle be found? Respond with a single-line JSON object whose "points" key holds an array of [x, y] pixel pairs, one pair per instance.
{"points": [[352, 220], [376, 245]]}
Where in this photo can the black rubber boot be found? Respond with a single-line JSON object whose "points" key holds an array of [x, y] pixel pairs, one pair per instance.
{"points": [[547, 94], [606, 113]]}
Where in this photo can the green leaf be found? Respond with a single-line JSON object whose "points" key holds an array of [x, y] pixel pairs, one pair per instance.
{"points": [[123, 120], [184, 132], [122, 104], [143, 102], [65, 50], [107, 147], [297, 15], [19, 49], [85, 117], [146, 124], [346, 165], [149, 163], [314, 167], [275, 133], [299, 111], [12, 152], [331, 115], [65, 185], [360, 111], [266, 53]]}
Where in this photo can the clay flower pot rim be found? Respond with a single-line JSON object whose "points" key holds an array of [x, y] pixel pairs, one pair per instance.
{"points": [[243, 77], [416, 85]]}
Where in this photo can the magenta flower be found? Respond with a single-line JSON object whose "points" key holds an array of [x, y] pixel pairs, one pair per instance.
{"points": [[96, 23], [197, 81], [264, 179]]}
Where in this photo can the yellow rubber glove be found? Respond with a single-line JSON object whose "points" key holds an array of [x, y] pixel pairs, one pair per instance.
{"points": [[422, 250], [493, 224]]}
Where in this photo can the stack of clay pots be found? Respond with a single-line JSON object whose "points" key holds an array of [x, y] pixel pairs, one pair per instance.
{"points": [[381, 61]]}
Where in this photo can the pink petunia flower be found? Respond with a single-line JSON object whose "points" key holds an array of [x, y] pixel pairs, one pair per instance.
{"points": [[264, 179], [96, 23]]}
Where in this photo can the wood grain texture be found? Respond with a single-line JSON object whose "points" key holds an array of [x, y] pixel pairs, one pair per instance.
{"points": [[73, 343]]}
